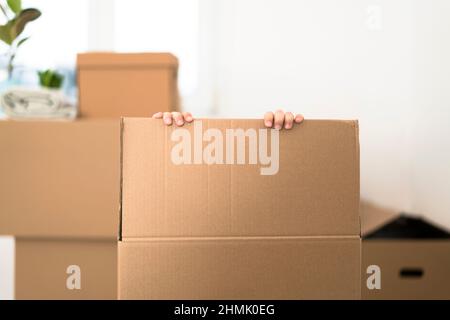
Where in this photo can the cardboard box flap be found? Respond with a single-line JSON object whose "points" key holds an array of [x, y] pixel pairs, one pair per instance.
{"points": [[311, 188], [59, 179], [111, 59], [374, 216], [409, 227]]}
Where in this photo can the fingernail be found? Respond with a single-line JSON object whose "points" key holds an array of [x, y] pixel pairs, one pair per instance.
{"points": [[188, 118], [288, 126], [277, 126], [179, 122], [268, 123], [168, 121]]}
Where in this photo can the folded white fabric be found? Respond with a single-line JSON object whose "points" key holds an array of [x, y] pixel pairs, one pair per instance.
{"points": [[19, 103]]}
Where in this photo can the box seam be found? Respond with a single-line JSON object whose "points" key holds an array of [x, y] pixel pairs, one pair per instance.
{"points": [[238, 238], [121, 179], [357, 169]]}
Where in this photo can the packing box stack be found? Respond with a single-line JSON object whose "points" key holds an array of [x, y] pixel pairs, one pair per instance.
{"points": [[218, 209], [59, 186], [227, 209], [59, 197]]}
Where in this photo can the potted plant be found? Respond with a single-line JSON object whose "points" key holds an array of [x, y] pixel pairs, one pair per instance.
{"points": [[50, 79], [15, 20]]}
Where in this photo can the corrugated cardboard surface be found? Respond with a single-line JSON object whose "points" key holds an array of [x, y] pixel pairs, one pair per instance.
{"points": [[432, 257], [228, 232], [112, 85], [41, 269], [59, 179], [271, 268], [315, 192]]}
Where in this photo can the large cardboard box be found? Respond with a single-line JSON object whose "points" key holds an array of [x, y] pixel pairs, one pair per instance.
{"points": [[59, 196], [412, 257], [126, 84], [227, 209]]}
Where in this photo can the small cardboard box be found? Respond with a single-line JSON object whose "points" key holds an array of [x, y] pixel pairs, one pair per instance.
{"points": [[412, 257], [59, 196], [227, 209], [112, 85]]}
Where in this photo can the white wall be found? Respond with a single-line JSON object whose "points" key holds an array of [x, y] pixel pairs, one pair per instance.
{"points": [[7, 260], [350, 59], [61, 31], [431, 132]]}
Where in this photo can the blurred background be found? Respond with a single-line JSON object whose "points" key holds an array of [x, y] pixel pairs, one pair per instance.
{"points": [[385, 63]]}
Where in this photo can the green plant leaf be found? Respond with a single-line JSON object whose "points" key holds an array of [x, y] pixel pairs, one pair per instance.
{"points": [[22, 41], [21, 20], [15, 5], [5, 33], [50, 79], [4, 11]]}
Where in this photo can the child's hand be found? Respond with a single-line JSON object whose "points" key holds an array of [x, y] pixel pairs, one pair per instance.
{"points": [[276, 120], [279, 119], [179, 118]]}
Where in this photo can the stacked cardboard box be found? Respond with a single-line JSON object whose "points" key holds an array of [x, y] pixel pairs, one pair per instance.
{"points": [[59, 197], [59, 186], [226, 209], [127, 84]]}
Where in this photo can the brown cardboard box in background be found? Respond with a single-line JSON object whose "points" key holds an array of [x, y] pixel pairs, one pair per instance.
{"points": [[112, 85], [59, 179], [59, 196], [410, 268], [42, 269], [226, 231]]}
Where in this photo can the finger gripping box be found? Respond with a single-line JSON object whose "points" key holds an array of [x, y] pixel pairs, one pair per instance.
{"points": [[227, 209]]}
